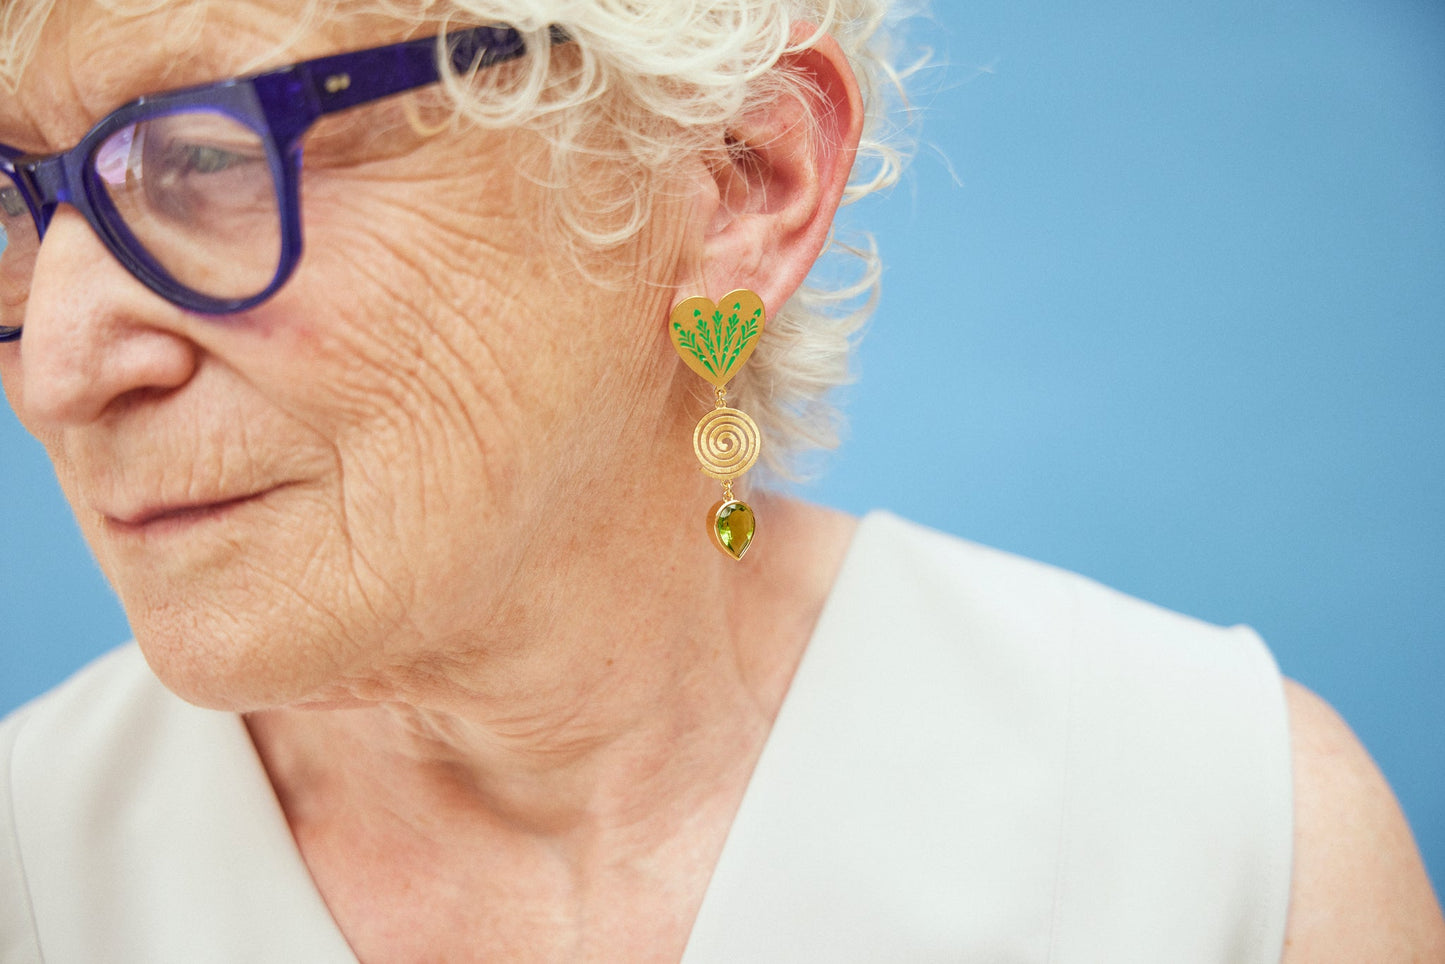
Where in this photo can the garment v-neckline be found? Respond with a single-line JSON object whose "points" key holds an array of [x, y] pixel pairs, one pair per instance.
{"points": [[848, 587]]}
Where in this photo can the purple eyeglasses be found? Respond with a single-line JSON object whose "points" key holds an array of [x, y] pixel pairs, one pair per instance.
{"points": [[197, 191]]}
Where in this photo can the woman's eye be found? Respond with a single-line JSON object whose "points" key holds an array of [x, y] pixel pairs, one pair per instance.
{"points": [[183, 159], [209, 160]]}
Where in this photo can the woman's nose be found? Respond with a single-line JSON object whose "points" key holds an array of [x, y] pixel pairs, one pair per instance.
{"points": [[93, 334]]}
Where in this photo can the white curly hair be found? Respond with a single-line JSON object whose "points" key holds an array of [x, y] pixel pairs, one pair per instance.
{"points": [[652, 81]]}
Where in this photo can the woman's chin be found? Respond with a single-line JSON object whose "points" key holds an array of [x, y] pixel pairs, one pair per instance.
{"points": [[235, 675]]}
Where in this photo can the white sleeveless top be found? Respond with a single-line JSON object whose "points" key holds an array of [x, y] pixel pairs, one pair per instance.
{"points": [[981, 759]]}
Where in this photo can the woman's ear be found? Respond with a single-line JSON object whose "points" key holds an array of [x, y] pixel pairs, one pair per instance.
{"points": [[782, 180]]}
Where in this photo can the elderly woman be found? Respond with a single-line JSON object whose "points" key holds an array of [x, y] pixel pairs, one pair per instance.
{"points": [[378, 345]]}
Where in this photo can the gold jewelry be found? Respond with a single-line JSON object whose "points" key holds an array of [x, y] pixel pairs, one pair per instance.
{"points": [[715, 340]]}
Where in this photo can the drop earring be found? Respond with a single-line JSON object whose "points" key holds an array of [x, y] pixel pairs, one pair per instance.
{"points": [[715, 341]]}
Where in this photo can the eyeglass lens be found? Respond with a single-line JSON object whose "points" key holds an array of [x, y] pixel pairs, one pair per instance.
{"points": [[195, 190]]}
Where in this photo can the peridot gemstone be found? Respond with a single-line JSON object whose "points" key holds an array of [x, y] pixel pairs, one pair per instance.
{"points": [[733, 525]]}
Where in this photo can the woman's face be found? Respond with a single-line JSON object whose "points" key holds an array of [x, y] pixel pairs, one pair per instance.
{"points": [[356, 474]]}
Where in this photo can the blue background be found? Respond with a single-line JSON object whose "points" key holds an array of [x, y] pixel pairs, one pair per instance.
{"points": [[1164, 305]]}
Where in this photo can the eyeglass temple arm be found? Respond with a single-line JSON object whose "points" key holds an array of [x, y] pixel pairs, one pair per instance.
{"points": [[341, 81]]}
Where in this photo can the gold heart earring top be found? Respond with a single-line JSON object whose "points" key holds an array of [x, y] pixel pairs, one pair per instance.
{"points": [[716, 340]]}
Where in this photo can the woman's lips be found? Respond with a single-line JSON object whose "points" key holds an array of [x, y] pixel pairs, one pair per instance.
{"points": [[175, 517]]}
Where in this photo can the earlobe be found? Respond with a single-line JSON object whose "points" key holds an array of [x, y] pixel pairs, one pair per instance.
{"points": [[787, 164]]}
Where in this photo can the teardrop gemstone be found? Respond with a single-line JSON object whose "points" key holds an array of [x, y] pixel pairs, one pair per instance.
{"points": [[732, 527]]}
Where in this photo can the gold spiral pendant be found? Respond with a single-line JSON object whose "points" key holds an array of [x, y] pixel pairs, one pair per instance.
{"points": [[727, 443]]}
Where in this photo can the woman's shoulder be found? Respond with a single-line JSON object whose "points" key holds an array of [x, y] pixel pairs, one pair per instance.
{"points": [[40, 742], [958, 588], [135, 826], [104, 718], [75, 731], [1360, 888], [1120, 669], [1178, 731]]}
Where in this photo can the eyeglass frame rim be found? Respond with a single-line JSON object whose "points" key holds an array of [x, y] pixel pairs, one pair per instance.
{"points": [[280, 104]]}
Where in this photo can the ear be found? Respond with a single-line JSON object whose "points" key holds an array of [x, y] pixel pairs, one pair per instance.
{"points": [[770, 213]]}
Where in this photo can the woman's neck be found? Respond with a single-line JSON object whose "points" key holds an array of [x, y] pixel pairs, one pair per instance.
{"points": [[636, 722]]}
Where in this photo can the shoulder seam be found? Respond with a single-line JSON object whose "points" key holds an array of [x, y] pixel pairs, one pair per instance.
{"points": [[1065, 798], [1270, 927]]}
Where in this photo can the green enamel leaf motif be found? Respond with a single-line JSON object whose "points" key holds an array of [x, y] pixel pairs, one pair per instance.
{"points": [[716, 341]]}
